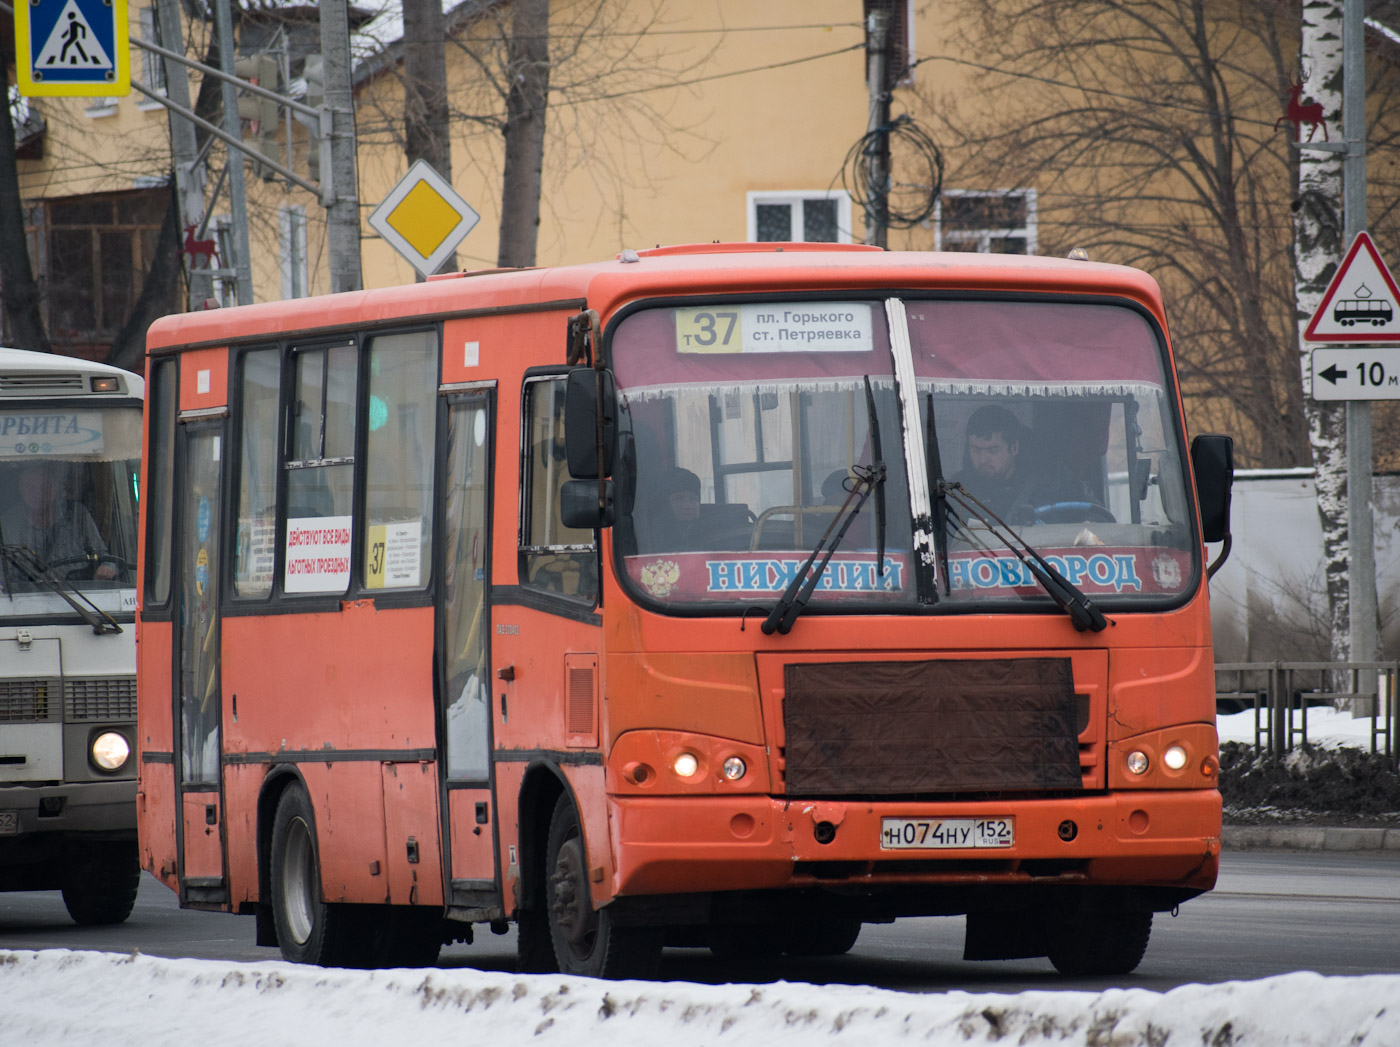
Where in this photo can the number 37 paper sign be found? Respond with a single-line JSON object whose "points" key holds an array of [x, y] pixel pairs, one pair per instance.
{"points": [[72, 47]]}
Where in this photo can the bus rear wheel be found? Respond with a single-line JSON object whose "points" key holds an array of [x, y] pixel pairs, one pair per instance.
{"points": [[308, 929], [586, 940], [1101, 943], [100, 883]]}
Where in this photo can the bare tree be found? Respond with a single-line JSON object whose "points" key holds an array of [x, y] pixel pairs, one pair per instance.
{"points": [[602, 84], [1147, 128], [19, 291], [425, 109]]}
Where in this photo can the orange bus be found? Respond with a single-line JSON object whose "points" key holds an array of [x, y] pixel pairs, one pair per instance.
{"points": [[725, 596]]}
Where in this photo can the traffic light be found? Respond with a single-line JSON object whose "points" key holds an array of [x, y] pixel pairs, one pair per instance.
{"points": [[259, 114]]}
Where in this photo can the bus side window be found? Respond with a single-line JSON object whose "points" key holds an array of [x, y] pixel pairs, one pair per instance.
{"points": [[256, 530], [160, 489], [398, 538], [553, 557], [320, 470]]}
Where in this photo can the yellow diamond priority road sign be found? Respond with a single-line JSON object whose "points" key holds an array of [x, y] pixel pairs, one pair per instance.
{"points": [[424, 218]]}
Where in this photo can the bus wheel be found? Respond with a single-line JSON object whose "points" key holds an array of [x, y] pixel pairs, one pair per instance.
{"points": [[1100, 943], [308, 930], [831, 936], [587, 941], [100, 882]]}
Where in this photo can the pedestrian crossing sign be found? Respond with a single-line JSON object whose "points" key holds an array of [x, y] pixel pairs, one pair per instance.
{"points": [[72, 47]]}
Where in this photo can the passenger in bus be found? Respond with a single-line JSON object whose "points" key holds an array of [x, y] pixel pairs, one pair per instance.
{"points": [[1004, 479], [834, 488], [58, 530], [676, 524]]}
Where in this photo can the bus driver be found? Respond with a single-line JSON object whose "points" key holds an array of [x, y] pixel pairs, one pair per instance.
{"points": [[998, 476]]}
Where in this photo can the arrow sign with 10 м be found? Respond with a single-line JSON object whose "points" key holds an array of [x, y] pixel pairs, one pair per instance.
{"points": [[72, 47], [1356, 374]]}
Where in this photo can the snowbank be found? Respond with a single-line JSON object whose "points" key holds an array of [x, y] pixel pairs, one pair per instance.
{"points": [[1327, 728], [60, 997]]}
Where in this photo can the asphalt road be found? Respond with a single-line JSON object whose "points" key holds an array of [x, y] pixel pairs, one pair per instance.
{"points": [[1272, 913]]}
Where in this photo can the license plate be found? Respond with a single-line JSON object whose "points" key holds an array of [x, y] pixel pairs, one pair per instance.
{"points": [[9, 823], [899, 834]]}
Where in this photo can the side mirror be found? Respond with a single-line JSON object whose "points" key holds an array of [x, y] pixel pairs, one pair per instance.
{"points": [[579, 504], [590, 396], [1213, 461]]}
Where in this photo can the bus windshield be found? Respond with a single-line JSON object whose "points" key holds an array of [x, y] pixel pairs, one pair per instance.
{"points": [[68, 503], [747, 426]]}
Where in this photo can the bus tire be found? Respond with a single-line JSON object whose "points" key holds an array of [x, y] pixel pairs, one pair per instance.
{"points": [[100, 883], [308, 929], [1102, 943], [586, 940], [829, 936]]}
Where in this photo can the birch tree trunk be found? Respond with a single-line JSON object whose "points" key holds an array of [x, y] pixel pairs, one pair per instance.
{"points": [[522, 176], [1317, 251]]}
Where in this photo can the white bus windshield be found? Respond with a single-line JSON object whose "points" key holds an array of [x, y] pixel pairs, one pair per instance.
{"points": [[68, 502]]}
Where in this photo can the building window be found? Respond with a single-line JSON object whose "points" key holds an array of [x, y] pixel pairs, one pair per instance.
{"points": [[153, 64], [819, 216], [96, 250], [999, 221], [291, 238]]}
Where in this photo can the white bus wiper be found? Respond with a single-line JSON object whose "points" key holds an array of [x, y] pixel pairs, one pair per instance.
{"points": [[800, 589], [38, 572], [1068, 596]]}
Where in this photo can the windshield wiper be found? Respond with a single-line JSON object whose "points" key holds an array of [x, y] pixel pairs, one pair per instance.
{"points": [[38, 572], [940, 502], [1067, 596], [800, 589], [877, 454]]}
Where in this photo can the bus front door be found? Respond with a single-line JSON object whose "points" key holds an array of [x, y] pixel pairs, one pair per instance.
{"points": [[197, 688], [464, 623]]}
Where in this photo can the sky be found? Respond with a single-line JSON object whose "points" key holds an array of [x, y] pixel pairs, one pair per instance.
{"points": [[80, 998]]}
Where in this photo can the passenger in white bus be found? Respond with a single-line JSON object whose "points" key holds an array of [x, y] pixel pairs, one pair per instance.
{"points": [[1004, 479], [57, 530]]}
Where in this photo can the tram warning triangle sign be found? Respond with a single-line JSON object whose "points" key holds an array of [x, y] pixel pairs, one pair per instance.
{"points": [[1362, 303]]}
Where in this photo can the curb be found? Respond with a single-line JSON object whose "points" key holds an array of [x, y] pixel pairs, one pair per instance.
{"points": [[1308, 838]]}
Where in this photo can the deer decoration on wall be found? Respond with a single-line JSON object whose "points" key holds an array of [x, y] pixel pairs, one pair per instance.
{"points": [[1298, 113], [206, 249]]}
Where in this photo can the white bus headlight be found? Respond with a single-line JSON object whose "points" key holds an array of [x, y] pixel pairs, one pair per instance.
{"points": [[1175, 757], [1137, 762], [686, 765], [110, 750], [734, 768]]}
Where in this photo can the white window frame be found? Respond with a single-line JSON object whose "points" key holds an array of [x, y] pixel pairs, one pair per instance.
{"points": [[982, 238], [795, 199], [291, 245]]}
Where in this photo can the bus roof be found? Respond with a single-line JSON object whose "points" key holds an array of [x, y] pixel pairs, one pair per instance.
{"points": [[20, 362], [658, 272]]}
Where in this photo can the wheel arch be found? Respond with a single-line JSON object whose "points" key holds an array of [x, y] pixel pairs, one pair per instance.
{"points": [[540, 788], [281, 778]]}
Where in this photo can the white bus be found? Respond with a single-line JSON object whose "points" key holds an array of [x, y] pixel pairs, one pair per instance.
{"points": [[70, 438]]}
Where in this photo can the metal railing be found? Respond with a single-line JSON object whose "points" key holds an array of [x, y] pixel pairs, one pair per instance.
{"points": [[1280, 694]]}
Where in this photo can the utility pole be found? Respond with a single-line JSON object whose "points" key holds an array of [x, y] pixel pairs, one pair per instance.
{"points": [[877, 141], [343, 207], [237, 196], [1361, 577], [184, 149]]}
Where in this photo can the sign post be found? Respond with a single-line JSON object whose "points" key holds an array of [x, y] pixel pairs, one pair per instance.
{"points": [[72, 47]]}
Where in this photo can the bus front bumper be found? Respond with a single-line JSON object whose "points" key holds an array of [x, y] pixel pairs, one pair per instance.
{"points": [[679, 845]]}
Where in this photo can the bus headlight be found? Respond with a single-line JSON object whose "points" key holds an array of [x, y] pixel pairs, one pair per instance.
{"points": [[1175, 758], [734, 768], [1137, 762], [110, 750]]}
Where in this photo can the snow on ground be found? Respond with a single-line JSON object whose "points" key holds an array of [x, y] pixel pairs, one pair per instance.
{"points": [[60, 997], [1327, 728]]}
